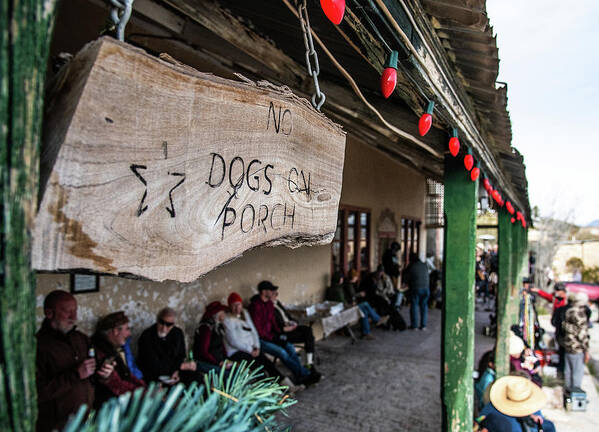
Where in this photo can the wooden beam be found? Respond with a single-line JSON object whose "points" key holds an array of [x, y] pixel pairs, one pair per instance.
{"points": [[159, 171], [458, 293], [25, 34]]}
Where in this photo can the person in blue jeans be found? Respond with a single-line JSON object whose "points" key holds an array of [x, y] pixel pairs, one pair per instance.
{"points": [[346, 294], [272, 339], [416, 277]]}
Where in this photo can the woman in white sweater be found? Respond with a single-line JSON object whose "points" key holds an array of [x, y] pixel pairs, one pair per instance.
{"points": [[242, 341]]}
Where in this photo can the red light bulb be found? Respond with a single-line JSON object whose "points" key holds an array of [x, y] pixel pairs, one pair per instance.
{"points": [[509, 207], [468, 162], [333, 9], [454, 143], [389, 76], [513, 220], [487, 185], [474, 173], [426, 120], [518, 215], [495, 195], [523, 223]]}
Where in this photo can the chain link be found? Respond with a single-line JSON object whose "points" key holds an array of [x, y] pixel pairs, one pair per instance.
{"points": [[312, 64], [119, 15]]}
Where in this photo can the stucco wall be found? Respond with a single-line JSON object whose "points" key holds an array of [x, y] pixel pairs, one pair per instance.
{"points": [[301, 275], [371, 179]]}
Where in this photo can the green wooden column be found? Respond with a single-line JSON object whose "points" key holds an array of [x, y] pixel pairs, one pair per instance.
{"points": [[458, 302], [25, 34], [504, 293]]}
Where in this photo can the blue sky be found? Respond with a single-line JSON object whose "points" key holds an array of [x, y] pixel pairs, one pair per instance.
{"points": [[549, 56]]}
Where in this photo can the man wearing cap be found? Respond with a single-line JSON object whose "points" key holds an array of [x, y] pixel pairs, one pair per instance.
{"points": [[515, 406], [111, 334], [272, 340], [161, 351], [64, 365], [243, 343], [558, 298]]}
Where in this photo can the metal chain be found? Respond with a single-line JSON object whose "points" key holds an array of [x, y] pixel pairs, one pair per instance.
{"points": [[120, 14], [318, 97]]}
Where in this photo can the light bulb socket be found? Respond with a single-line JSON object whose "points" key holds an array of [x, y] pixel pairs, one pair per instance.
{"points": [[454, 132], [392, 60], [430, 107]]}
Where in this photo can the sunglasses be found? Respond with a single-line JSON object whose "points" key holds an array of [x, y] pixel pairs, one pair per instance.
{"points": [[165, 323]]}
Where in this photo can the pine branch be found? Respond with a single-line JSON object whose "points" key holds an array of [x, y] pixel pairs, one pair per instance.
{"points": [[234, 400]]}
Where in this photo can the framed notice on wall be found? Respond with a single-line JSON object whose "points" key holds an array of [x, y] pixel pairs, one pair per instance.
{"points": [[84, 283]]}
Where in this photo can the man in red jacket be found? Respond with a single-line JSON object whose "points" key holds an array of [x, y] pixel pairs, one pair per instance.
{"points": [[272, 340], [558, 298], [63, 364]]}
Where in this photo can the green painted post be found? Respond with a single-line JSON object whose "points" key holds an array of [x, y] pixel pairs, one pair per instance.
{"points": [[25, 34], [504, 297], [458, 302]]}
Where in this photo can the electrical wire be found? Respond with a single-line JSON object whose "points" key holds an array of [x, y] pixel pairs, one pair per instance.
{"points": [[358, 92]]}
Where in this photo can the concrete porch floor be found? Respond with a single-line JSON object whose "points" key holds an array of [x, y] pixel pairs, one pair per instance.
{"points": [[384, 385]]}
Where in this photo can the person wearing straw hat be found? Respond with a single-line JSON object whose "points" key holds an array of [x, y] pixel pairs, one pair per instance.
{"points": [[514, 406]]}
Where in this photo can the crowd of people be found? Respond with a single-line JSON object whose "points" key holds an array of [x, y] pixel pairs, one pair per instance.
{"points": [[73, 369], [486, 276], [513, 403], [380, 294]]}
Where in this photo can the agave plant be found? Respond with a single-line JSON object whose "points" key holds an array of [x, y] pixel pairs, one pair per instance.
{"points": [[235, 400]]}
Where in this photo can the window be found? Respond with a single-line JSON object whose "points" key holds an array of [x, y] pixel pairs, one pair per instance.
{"points": [[410, 238], [434, 204], [351, 244]]}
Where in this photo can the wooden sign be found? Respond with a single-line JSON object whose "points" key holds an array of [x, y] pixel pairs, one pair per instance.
{"points": [[160, 171]]}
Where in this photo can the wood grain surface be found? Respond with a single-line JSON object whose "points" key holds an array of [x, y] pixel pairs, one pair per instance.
{"points": [[153, 169]]}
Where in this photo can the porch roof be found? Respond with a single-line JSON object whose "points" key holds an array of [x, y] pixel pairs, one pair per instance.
{"points": [[448, 53]]}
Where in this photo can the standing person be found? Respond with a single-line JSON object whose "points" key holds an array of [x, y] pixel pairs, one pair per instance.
{"points": [[111, 334], [391, 263], [161, 351], [418, 283], [63, 362], [558, 298], [272, 340], [576, 337]]}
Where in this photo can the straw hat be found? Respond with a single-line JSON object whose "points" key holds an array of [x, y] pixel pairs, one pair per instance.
{"points": [[517, 396], [516, 345]]}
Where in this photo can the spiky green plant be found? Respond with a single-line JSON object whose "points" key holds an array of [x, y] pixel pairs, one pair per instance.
{"points": [[236, 400]]}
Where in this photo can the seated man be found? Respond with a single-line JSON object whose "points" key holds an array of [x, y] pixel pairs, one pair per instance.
{"points": [[63, 364], [345, 293], [272, 340], [111, 333], [242, 341], [374, 285], [514, 407], [161, 351], [294, 332]]}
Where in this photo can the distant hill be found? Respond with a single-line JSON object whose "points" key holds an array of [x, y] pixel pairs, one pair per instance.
{"points": [[595, 223]]}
